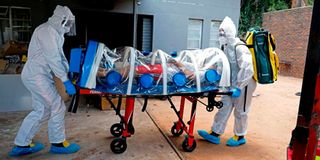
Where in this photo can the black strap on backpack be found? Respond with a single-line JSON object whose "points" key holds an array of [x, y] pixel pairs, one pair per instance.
{"points": [[235, 47]]}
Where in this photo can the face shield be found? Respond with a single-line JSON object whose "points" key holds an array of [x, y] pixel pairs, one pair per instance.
{"points": [[222, 37], [69, 26]]}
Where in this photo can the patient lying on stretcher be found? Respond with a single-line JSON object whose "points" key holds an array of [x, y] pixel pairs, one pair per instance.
{"points": [[192, 67], [102, 72], [173, 67], [126, 70]]}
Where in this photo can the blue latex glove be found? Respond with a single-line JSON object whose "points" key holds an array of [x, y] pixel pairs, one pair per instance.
{"points": [[71, 90], [236, 92]]}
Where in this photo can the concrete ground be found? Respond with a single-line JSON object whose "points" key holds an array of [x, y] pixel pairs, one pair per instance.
{"points": [[271, 119], [91, 131]]}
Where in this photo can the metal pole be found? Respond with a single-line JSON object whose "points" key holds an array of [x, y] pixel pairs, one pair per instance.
{"points": [[135, 22], [10, 24]]}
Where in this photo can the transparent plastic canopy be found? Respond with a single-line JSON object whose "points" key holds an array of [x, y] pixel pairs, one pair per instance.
{"points": [[125, 70]]}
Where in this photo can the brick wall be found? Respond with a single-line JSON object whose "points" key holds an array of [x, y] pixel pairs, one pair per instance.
{"points": [[291, 31]]}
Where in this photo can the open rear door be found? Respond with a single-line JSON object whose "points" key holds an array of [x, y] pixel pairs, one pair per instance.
{"points": [[304, 141]]}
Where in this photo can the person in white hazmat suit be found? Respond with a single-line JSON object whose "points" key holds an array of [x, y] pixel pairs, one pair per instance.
{"points": [[45, 60], [241, 67]]}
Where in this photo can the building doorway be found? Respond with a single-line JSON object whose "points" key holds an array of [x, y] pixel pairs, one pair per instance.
{"points": [[112, 29]]}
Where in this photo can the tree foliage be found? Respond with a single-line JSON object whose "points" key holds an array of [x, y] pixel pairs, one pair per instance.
{"points": [[310, 2], [252, 10]]}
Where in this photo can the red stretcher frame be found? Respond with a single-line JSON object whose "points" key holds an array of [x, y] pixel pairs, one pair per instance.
{"points": [[124, 129]]}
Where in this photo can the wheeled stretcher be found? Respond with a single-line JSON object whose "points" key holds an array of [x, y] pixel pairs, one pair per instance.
{"points": [[127, 73]]}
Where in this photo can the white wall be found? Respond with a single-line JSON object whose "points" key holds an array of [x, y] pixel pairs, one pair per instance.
{"points": [[171, 18]]}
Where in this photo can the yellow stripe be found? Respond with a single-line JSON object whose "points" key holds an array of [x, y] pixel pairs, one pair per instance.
{"points": [[250, 42], [272, 59], [65, 143], [235, 137]]}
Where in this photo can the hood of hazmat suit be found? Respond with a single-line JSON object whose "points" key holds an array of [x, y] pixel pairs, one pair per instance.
{"points": [[63, 21]]}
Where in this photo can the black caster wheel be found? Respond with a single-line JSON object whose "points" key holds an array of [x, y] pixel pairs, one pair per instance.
{"points": [[186, 147], [116, 129], [118, 145], [174, 130], [210, 109], [219, 104]]}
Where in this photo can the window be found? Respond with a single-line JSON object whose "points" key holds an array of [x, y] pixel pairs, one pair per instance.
{"points": [[214, 32], [144, 39], [15, 24], [194, 33]]}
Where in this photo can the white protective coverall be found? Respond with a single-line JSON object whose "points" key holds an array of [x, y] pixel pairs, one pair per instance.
{"points": [[241, 67], [45, 59]]}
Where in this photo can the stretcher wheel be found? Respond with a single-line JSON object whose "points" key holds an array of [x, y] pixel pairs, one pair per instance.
{"points": [[118, 145], [210, 109], [219, 104], [188, 148], [174, 130], [116, 129]]}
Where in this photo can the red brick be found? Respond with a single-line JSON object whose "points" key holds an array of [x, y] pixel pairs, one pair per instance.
{"points": [[291, 30]]}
